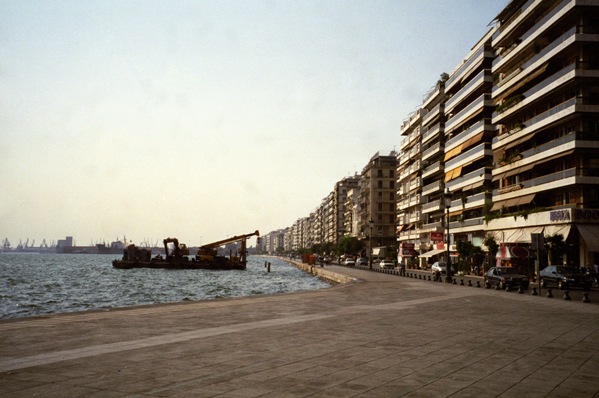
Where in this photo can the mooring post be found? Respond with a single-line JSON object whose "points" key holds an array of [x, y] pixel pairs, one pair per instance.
{"points": [[268, 267]]}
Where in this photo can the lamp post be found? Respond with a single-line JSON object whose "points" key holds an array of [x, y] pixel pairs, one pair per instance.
{"points": [[370, 225], [448, 277]]}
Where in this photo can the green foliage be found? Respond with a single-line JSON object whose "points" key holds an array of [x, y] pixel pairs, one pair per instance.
{"points": [[556, 247], [349, 245]]}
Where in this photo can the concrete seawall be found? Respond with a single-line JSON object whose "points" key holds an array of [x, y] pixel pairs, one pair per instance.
{"points": [[323, 273]]}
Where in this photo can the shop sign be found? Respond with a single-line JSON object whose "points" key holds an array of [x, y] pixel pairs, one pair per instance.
{"points": [[585, 214], [559, 215], [437, 237]]}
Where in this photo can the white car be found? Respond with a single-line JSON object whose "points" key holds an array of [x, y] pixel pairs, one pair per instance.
{"points": [[387, 264], [349, 262], [438, 267]]}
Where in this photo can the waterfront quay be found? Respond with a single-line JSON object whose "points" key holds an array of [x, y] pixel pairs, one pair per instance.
{"points": [[375, 335]]}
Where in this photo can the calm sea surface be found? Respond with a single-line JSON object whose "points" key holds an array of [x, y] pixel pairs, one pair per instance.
{"points": [[38, 284]]}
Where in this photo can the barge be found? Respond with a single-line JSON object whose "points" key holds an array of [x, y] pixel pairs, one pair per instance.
{"points": [[177, 256]]}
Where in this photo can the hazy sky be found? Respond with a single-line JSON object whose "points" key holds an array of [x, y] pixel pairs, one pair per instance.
{"points": [[206, 119]]}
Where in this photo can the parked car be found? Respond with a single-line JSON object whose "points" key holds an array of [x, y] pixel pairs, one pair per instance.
{"points": [[349, 262], [387, 264], [438, 267], [362, 261], [565, 277], [506, 276]]}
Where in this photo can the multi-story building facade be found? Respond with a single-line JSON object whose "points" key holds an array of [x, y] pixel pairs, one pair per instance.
{"points": [[377, 200], [468, 157], [350, 214], [340, 195], [546, 178]]}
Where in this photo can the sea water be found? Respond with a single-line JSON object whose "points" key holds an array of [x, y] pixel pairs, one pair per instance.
{"points": [[38, 284]]}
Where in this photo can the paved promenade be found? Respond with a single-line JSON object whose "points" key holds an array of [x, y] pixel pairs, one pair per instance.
{"points": [[382, 336]]}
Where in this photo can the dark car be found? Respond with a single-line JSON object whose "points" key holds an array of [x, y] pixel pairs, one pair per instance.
{"points": [[506, 276], [565, 277]]}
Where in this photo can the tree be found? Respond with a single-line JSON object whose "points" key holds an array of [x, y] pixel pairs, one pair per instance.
{"points": [[556, 248], [350, 245], [492, 247]]}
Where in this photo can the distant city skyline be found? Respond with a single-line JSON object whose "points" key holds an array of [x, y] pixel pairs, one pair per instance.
{"points": [[203, 120]]}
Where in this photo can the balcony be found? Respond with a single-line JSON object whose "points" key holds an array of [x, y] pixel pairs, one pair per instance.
{"points": [[533, 33], [533, 124], [470, 202], [482, 77], [531, 95], [466, 135], [470, 156], [431, 207], [471, 110], [431, 133], [471, 180], [472, 224], [462, 70], [415, 184], [436, 186], [433, 113], [432, 169], [513, 22], [550, 181], [536, 61], [433, 150]]}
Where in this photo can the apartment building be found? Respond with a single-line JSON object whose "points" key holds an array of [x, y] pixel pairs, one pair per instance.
{"points": [[341, 192], [546, 152], [468, 156], [377, 200], [420, 177]]}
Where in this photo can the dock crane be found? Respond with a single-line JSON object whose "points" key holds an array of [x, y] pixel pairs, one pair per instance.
{"points": [[208, 252]]}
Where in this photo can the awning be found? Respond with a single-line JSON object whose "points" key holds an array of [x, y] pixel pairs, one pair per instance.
{"points": [[473, 140], [454, 152], [432, 253], [528, 78], [560, 229], [590, 234], [515, 170], [521, 200], [456, 213], [522, 235], [455, 173]]}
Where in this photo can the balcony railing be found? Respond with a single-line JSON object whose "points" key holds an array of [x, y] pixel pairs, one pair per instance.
{"points": [[432, 206], [474, 177], [433, 168], [467, 89], [435, 149], [508, 24], [479, 151], [432, 114], [472, 131], [529, 95], [458, 73], [430, 188], [522, 69], [431, 132], [536, 28], [539, 118], [455, 120], [467, 223], [535, 182]]}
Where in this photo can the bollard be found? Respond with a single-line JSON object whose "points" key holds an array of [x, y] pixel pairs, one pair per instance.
{"points": [[477, 283], [461, 282], [419, 276], [567, 295], [549, 294], [469, 282], [497, 286], [268, 267], [520, 291], [508, 288], [429, 277], [534, 291], [585, 298], [454, 281]]}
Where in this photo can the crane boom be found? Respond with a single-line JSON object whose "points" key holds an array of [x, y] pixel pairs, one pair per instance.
{"points": [[230, 240]]}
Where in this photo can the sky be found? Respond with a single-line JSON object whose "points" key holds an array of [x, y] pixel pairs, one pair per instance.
{"points": [[206, 119]]}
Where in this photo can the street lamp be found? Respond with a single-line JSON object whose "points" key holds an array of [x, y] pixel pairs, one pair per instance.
{"points": [[370, 225], [447, 196]]}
